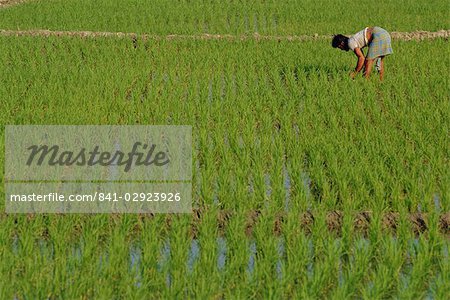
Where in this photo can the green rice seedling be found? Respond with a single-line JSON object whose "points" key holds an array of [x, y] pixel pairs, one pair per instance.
{"points": [[237, 255], [439, 285], [204, 280], [185, 17], [180, 241], [356, 268], [263, 113], [153, 265], [264, 274]]}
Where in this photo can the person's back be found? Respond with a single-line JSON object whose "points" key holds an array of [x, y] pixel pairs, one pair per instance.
{"points": [[358, 40]]}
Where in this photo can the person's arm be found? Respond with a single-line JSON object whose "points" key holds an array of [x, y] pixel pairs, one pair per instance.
{"points": [[360, 63]]}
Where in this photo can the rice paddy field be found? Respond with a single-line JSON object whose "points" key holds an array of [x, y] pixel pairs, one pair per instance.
{"points": [[306, 184]]}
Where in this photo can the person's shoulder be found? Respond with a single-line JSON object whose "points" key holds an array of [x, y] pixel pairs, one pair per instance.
{"points": [[352, 44]]}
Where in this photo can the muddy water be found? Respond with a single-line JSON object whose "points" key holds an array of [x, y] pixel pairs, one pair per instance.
{"points": [[437, 204], [251, 258], [222, 256], [281, 253], [164, 263], [287, 188], [194, 253], [135, 264]]}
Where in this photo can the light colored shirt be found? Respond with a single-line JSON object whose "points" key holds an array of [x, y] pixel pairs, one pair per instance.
{"points": [[358, 40]]}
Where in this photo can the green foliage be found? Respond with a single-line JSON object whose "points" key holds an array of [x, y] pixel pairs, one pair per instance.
{"points": [[262, 112], [285, 17]]}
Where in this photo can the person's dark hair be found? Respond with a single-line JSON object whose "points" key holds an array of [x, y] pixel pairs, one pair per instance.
{"points": [[338, 39]]}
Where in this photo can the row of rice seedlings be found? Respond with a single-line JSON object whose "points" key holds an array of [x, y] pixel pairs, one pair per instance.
{"points": [[164, 92], [75, 256], [190, 17], [319, 127], [241, 155], [81, 258], [147, 254]]}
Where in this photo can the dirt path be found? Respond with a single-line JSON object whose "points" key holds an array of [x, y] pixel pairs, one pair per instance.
{"points": [[6, 3], [405, 36]]}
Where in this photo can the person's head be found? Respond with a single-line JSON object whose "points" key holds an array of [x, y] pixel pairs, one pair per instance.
{"points": [[340, 41]]}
